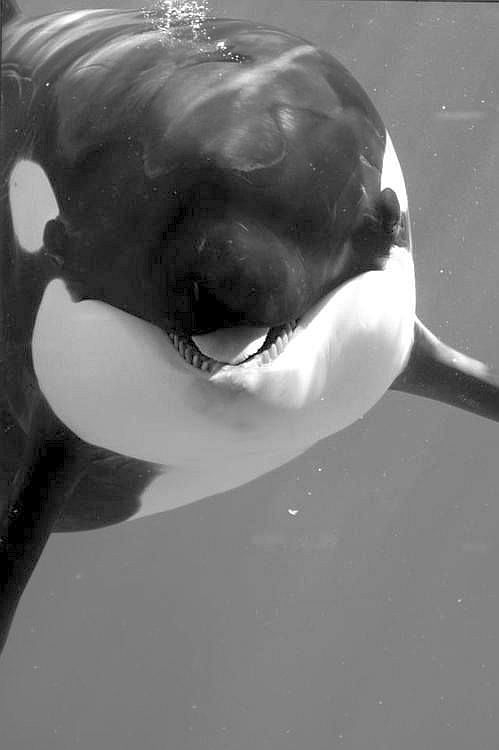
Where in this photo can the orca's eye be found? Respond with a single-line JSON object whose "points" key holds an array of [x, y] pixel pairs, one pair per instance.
{"points": [[32, 204]]}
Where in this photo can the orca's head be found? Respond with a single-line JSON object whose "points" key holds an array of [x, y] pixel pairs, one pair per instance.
{"points": [[230, 248]]}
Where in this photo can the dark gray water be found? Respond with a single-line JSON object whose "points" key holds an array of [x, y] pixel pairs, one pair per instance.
{"points": [[368, 619]]}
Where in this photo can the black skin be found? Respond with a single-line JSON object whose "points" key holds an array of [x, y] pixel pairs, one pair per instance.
{"points": [[202, 299], [165, 238]]}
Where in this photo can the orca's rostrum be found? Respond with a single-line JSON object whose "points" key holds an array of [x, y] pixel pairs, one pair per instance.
{"points": [[205, 268]]}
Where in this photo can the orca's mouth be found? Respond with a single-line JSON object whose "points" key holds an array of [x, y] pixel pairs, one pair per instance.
{"points": [[233, 346]]}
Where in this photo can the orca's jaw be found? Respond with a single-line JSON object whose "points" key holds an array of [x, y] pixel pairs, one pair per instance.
{"points": [[119, 383]]}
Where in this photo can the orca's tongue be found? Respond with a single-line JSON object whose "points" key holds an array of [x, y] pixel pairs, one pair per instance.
{"points": [[231, 345]]}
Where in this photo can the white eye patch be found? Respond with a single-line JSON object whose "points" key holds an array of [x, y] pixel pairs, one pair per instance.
{"points": [[32, 204]]}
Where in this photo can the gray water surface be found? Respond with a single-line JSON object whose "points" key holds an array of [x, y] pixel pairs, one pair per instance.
{"points": [[368, 620]]}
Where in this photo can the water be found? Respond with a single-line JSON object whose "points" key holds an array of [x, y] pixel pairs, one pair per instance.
{"points": [[366, 620], [167, 15]]}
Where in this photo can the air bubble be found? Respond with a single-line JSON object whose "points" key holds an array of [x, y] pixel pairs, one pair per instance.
{"points": [[173, 18]]}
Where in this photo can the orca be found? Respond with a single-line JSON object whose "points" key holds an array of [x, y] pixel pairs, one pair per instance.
{"points": [[206, 267]]}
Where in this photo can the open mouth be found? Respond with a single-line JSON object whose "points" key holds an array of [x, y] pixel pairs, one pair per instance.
{"points": [[233, 346]]}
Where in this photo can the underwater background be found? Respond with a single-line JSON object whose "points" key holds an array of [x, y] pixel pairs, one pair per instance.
{"points": [[349, 600]]}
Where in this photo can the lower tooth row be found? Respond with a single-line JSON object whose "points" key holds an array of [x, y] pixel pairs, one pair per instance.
{"points": [[190, 355]]}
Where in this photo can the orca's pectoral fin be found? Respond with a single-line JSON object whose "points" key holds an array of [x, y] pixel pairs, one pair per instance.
{"points": [[36, 498], [438, 372]]}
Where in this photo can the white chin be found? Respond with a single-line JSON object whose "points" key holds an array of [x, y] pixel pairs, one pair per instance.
{"points": [[118, 383]]}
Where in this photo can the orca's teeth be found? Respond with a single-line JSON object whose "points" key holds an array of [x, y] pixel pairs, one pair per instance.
{"points": [[232, 345], [274, 344]]}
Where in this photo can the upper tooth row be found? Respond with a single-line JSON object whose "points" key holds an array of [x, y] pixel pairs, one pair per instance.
{"points": [[190, 354]]}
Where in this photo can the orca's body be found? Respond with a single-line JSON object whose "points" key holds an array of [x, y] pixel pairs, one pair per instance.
{"points": [[205, 268]]}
